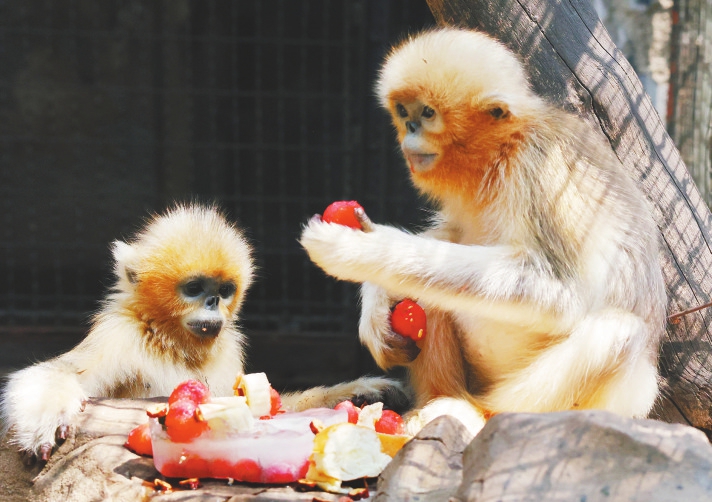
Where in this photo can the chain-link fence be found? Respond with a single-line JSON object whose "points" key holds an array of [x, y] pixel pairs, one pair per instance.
{"points": [[109, 110]]}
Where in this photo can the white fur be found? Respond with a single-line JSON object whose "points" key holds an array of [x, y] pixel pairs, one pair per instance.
{"points": [[547, 275], [116, 359]]}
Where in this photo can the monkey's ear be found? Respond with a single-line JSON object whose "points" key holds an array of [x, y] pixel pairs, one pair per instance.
{"points": [[499, 110], [124, 257]]}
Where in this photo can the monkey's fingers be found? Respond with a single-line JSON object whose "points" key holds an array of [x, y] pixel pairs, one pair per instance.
{"points": [[363, 219], [45, 452], [62, 432], [400, 350]]}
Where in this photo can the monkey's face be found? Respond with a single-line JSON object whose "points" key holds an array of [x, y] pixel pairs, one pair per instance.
{"points": [[209, 299], [450, 149], [418, 124]]}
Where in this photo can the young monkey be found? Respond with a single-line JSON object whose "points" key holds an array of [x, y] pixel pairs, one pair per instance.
{"points": [[540, 274], [172, 316]]}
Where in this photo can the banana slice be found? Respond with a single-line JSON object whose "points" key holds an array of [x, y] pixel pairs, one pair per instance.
{"points": [[256, 389], [344, 452], [227, 415], [370, 414]]}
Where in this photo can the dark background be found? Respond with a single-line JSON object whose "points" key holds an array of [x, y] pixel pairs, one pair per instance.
{"points": [[112, 110]]}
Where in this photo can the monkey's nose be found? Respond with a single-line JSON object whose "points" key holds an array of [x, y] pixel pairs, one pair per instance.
{"points": [[412, 126], [212, 302]]}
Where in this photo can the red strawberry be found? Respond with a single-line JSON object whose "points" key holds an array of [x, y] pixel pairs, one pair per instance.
{"points": [[221, 468], [172, 469], [280, 474], [390, 423], [350, 408], [247, 470], [194, 466], [342, 212], [181, 424], [275, 401], [408, 319], [139, 440], [193, 390]]}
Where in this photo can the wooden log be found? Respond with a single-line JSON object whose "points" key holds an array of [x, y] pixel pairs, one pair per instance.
{"points": [[573, 62]]}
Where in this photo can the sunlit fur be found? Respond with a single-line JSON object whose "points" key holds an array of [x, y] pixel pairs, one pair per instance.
{"points": [[540, 273], [138, 345]]}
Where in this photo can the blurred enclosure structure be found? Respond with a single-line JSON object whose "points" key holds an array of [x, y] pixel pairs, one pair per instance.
{"points": [[111, 110]]}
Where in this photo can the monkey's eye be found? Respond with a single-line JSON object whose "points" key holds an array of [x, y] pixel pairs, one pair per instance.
{"points": [[193, 288], [427, 112], [227, 289], [498, 113], [401, 111]]}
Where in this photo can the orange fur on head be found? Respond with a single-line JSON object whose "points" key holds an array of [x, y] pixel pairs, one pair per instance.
{"points": [[186, 242], [482, 119], [171, 316], [539, 274]]}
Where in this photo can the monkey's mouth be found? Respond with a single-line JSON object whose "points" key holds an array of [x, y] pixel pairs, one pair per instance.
{"points": [[420, 162], [205, 328]]}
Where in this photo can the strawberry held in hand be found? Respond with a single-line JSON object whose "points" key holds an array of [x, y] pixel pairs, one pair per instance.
{"points": [[342, 213], [408, 319]]}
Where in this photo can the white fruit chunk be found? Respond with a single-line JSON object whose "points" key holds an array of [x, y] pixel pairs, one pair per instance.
{"points": [[256, 389], [344, 452], [370, 414], [227, 415]]}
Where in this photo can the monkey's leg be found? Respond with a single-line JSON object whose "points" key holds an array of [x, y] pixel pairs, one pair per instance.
{"points": [[370, 389], [605, 362], [460, 408]]}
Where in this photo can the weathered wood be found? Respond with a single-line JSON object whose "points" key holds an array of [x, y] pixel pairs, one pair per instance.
{"points": [[572, 61], [586, 455], [92, 464], [690, 101]]}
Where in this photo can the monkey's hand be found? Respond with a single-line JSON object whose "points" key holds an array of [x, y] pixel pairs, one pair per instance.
{"points": [[39, 404], [387, 348], [344, 252]]}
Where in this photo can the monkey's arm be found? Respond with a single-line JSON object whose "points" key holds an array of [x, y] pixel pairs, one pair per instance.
{"points": [[500, 282], [40, 402]]}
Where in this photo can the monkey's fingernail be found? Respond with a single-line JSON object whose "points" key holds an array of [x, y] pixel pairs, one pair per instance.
{"points": [[363, 219], [62, 432], [315, 219], [84, 405], [45, 452]]}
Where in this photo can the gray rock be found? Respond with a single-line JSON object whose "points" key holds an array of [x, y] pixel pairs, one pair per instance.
{"points": [[429, 467], [586, 456]]}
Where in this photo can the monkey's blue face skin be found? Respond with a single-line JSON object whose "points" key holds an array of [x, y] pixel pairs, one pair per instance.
{"points": [[206, 295]]}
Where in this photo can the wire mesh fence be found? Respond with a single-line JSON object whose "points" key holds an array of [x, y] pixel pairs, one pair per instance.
{"points": [[111, 110]]}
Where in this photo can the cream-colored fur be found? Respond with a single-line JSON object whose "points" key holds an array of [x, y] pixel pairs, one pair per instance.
{"points": [[136, 349], [540, 274]]}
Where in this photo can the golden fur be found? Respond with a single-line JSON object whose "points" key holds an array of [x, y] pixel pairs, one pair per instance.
{"points": [[150, 334], [540, 273]]}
